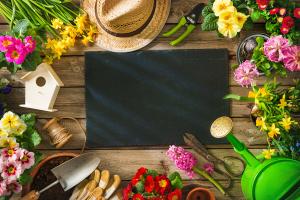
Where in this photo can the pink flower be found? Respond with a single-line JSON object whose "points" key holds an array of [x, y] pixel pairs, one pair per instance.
{"points": [[6, 42], [183, 159], [16, 55], [14, 187], [291, 58], [273, 48], [3, 189], [25, 158], [246, 73], [29, 44], [11, 171], [9, 154], [209, 168]]}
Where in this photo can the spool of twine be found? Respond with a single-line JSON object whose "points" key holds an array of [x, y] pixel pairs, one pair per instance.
{"points": [[58, 134]]}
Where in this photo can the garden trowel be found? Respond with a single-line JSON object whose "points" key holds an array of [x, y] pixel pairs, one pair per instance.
{"points": [[69, 173]]}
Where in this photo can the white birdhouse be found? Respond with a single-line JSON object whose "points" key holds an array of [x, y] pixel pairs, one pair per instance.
{"points": [[41, 88]]}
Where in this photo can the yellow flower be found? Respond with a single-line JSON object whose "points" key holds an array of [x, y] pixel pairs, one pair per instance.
{"points": [[3, 133], [8, 142], [252, 94], [69, 31], [59, 49], [92, 30], [48, 59], [221, 5], [57, 23], [69, 42], [286, 123], [50, 43], [80, 21], [20, 129], [282, 103], [10, 122], [228, 15], [228, 29], [86, 39], [268, 153], [240, 19], [262, 92], [273, 131], [260, 122]]}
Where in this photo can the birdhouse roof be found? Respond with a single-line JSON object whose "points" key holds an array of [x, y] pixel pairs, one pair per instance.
{"points": [[40, 69]]}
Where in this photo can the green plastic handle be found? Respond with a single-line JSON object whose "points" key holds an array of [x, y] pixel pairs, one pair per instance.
{"points": [[175, 28], [189, 29]]}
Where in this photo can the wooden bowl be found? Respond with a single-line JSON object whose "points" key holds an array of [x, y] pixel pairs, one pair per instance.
{"points": [[200, 193], [34, 172]]}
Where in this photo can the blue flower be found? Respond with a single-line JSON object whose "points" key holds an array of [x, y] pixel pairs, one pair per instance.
{"points": [[6, 90]]}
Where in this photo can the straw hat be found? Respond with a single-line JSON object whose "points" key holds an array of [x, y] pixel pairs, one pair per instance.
{"points": [[127, 25]]}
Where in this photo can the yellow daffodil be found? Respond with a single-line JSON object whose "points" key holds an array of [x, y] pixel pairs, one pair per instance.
{"points": [[86, 39], [240, 19], [10, 122], [59, 49], [252, 94], [262, 92], [50, 43], [92, 31], [273, 131], [48, 59], [228, 29], [268, 153], [228, 15], [282, 103], [221, 5], [57, 23], [260, 122], [69, 42], [8, 142], [69, 31], [286, 123], [81, 21]]}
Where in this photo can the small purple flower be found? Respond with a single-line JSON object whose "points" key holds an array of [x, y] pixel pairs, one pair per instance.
{"points": [[274, 46], [6, 90], [291, 58], [246, 73], [184, 160], [209, 168]]}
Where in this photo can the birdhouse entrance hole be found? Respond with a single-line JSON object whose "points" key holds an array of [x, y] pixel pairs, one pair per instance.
{"points": [[40, 81]]}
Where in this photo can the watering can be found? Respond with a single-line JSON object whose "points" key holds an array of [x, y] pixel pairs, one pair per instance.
{"points": [[275, 179]]}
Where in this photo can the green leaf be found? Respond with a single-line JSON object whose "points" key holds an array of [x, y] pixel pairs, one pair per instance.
{"points": [[35, 138], [21, 27], [248, 24], [176, 180], [206, 11], [152, 173], [210, 23], [2, 57], [29, 119], [140, 187], [255, 15], [25, 177], [32, 61]]}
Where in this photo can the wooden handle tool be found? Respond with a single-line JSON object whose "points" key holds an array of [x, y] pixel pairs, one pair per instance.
{"points": [[113, 187], [32, 195]]}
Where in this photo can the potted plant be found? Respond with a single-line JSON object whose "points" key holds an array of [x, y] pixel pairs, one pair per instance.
{"points": [[272, 114]]}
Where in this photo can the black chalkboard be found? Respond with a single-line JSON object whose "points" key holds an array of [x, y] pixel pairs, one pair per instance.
{"points": [[153, 97]]}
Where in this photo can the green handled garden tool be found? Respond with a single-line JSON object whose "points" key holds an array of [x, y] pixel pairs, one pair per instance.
{"points": [[190, 21]]}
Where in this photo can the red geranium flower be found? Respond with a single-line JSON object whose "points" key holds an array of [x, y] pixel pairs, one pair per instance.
{"points": [[162, 185], [284, 30], [149, 184], [262, 4], [175, 195], [137, 197], [127, 192], [288, 22], [138, 175], [297, 13], [274, 11]]}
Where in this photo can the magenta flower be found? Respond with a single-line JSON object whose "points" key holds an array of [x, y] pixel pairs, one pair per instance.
{"points": [[246, 73], [291, 58], [274, 46], [209, 168], [14, 186], [6, 42], [9, 154], [11, 171], [25, 158], [29, 44], [16, 56]]}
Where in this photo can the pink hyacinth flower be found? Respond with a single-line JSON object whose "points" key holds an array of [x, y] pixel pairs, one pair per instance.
{"points": [[183, 159], [274, 46], [16, 56], [209, 168], [291, 58], [245, 74], [6, 42], [25, 158], [11, 171], [14, 187], [9, 154], [29, 44]]}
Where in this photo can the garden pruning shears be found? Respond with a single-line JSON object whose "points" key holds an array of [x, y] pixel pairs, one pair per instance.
{"points": [[190, 21], [200, 149]]}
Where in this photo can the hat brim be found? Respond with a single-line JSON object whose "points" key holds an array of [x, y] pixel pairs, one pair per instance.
{"points": [[132, 43]]}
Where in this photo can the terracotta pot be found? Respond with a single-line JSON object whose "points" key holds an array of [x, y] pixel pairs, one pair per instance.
{"points": [[27, 187], [200, 193]]}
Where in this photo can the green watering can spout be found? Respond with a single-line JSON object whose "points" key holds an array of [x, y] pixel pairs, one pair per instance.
{"points": [[222, 127]]}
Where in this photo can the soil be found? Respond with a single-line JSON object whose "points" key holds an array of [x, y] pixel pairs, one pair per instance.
{"points": [[44, 177]]}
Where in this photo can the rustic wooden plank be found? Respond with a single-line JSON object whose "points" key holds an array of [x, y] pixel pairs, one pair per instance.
{"points": [[126, 162]]}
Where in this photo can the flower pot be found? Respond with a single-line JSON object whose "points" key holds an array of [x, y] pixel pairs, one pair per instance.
{"points": [[246, 47], [200, 193], [50, 161]]}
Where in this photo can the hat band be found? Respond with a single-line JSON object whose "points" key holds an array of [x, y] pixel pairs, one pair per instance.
{"points": [[135, 32]]}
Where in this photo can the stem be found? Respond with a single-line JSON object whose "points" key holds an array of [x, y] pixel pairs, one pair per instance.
{"points": [[211, 179]]}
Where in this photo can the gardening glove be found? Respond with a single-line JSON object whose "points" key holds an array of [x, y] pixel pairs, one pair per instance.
{"points": [[105, 175], [78, 189], [115, 183]]}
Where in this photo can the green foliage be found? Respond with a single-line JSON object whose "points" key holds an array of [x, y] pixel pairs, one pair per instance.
{"points": [[140, 187], [152, 172], [255, 15], [176, 180], [210, 22]]}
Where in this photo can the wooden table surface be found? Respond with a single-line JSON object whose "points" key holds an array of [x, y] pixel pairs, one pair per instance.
{"points": [[125, 161]]}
